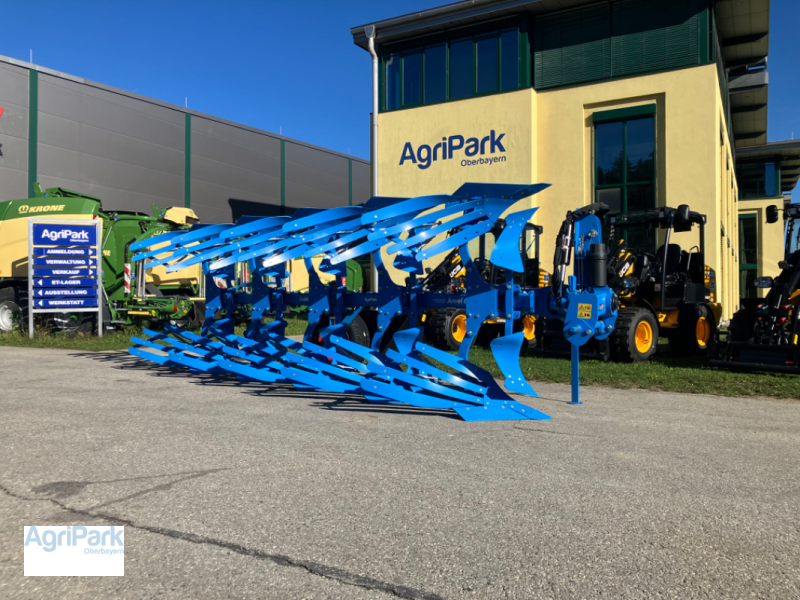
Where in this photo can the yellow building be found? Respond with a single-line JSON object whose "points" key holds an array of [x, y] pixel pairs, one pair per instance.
{"points": [[624, 102]]}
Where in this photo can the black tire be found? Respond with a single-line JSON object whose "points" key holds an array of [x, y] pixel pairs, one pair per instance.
{"points": [[488, 332], [10, 316], [15, 312], [8, 294], [455, 320], [152, 290], [686, 339], [71, 324], [623, 339], [436, 328], [743, 326], [358, 332]]}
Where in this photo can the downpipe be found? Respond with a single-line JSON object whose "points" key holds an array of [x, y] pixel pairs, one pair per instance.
{"points": [[369, 30]]}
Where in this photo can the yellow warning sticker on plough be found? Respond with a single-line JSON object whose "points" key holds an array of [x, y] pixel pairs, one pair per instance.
{"points": [[584, 311]]}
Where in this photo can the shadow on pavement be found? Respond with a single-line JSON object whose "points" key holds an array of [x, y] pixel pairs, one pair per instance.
{"points": [[320, 399]]}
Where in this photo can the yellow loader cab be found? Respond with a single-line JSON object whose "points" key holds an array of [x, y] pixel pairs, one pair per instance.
{"points": [[665, 288]]}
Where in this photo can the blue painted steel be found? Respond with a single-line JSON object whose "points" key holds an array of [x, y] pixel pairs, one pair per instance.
{"points": [[506, 250], [246, 276], [575, 367]]}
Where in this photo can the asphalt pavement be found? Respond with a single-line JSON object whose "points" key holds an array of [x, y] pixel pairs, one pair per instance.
{"points": [[230, 490]]}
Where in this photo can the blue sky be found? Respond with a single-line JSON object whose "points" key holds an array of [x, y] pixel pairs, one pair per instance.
{"points": [[271, 64]]}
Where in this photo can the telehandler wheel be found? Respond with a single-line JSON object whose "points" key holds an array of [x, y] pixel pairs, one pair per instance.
{"points": [[635, 336], [527, 325], [456, 328], [696, 330]]}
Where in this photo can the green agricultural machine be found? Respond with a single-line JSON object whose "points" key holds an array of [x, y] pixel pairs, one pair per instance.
{"points": [[129, 297]]}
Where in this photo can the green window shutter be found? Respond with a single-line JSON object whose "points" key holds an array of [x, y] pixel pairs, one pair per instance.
{"points": [[653, 35], [596, 45], [573, 47]]}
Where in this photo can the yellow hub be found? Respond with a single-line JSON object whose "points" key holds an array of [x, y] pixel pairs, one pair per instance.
{"points": [[702, 332], [458, 327], [529, 327], [644, 337]]}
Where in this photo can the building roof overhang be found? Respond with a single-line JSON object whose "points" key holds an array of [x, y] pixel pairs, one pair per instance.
{"points": [[786, 152], [743, 32], [456, 14]]}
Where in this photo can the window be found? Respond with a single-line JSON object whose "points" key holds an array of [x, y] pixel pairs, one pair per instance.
{"points": [[460, 69], [487, 64], [748, 255], [454, 69], [435, 74], [625, 164], [758, 178], [412, 78], [509, 60], [393, 82]]}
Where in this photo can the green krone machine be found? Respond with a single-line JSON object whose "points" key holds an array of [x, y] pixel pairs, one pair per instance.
{"points": [[129, 296]]}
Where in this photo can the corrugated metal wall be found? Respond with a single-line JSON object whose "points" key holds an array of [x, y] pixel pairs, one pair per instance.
{"points": [[13, 132], [131, 151], [125, 151]]}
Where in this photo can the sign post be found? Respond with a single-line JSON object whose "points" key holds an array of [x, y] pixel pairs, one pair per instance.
{"points": [[64, 268]]}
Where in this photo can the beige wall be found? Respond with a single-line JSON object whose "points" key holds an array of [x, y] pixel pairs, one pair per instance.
{"points": [[548, 139], [770, 237]]}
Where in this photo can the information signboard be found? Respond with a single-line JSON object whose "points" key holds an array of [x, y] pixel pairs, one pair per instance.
{"points": [[64, 273]]}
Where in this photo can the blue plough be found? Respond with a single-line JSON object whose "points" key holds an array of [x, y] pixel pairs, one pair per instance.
{"points": [[397, 366]]}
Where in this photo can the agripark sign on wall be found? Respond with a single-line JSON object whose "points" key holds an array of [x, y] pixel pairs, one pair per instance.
{"points": [[436, 149], [469, 151]]}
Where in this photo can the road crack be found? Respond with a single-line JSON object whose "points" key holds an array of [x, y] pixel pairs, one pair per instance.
{"points": [[282, 560]]}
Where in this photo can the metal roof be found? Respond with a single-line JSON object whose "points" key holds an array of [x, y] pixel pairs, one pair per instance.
{"points": [[787, 152]]}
